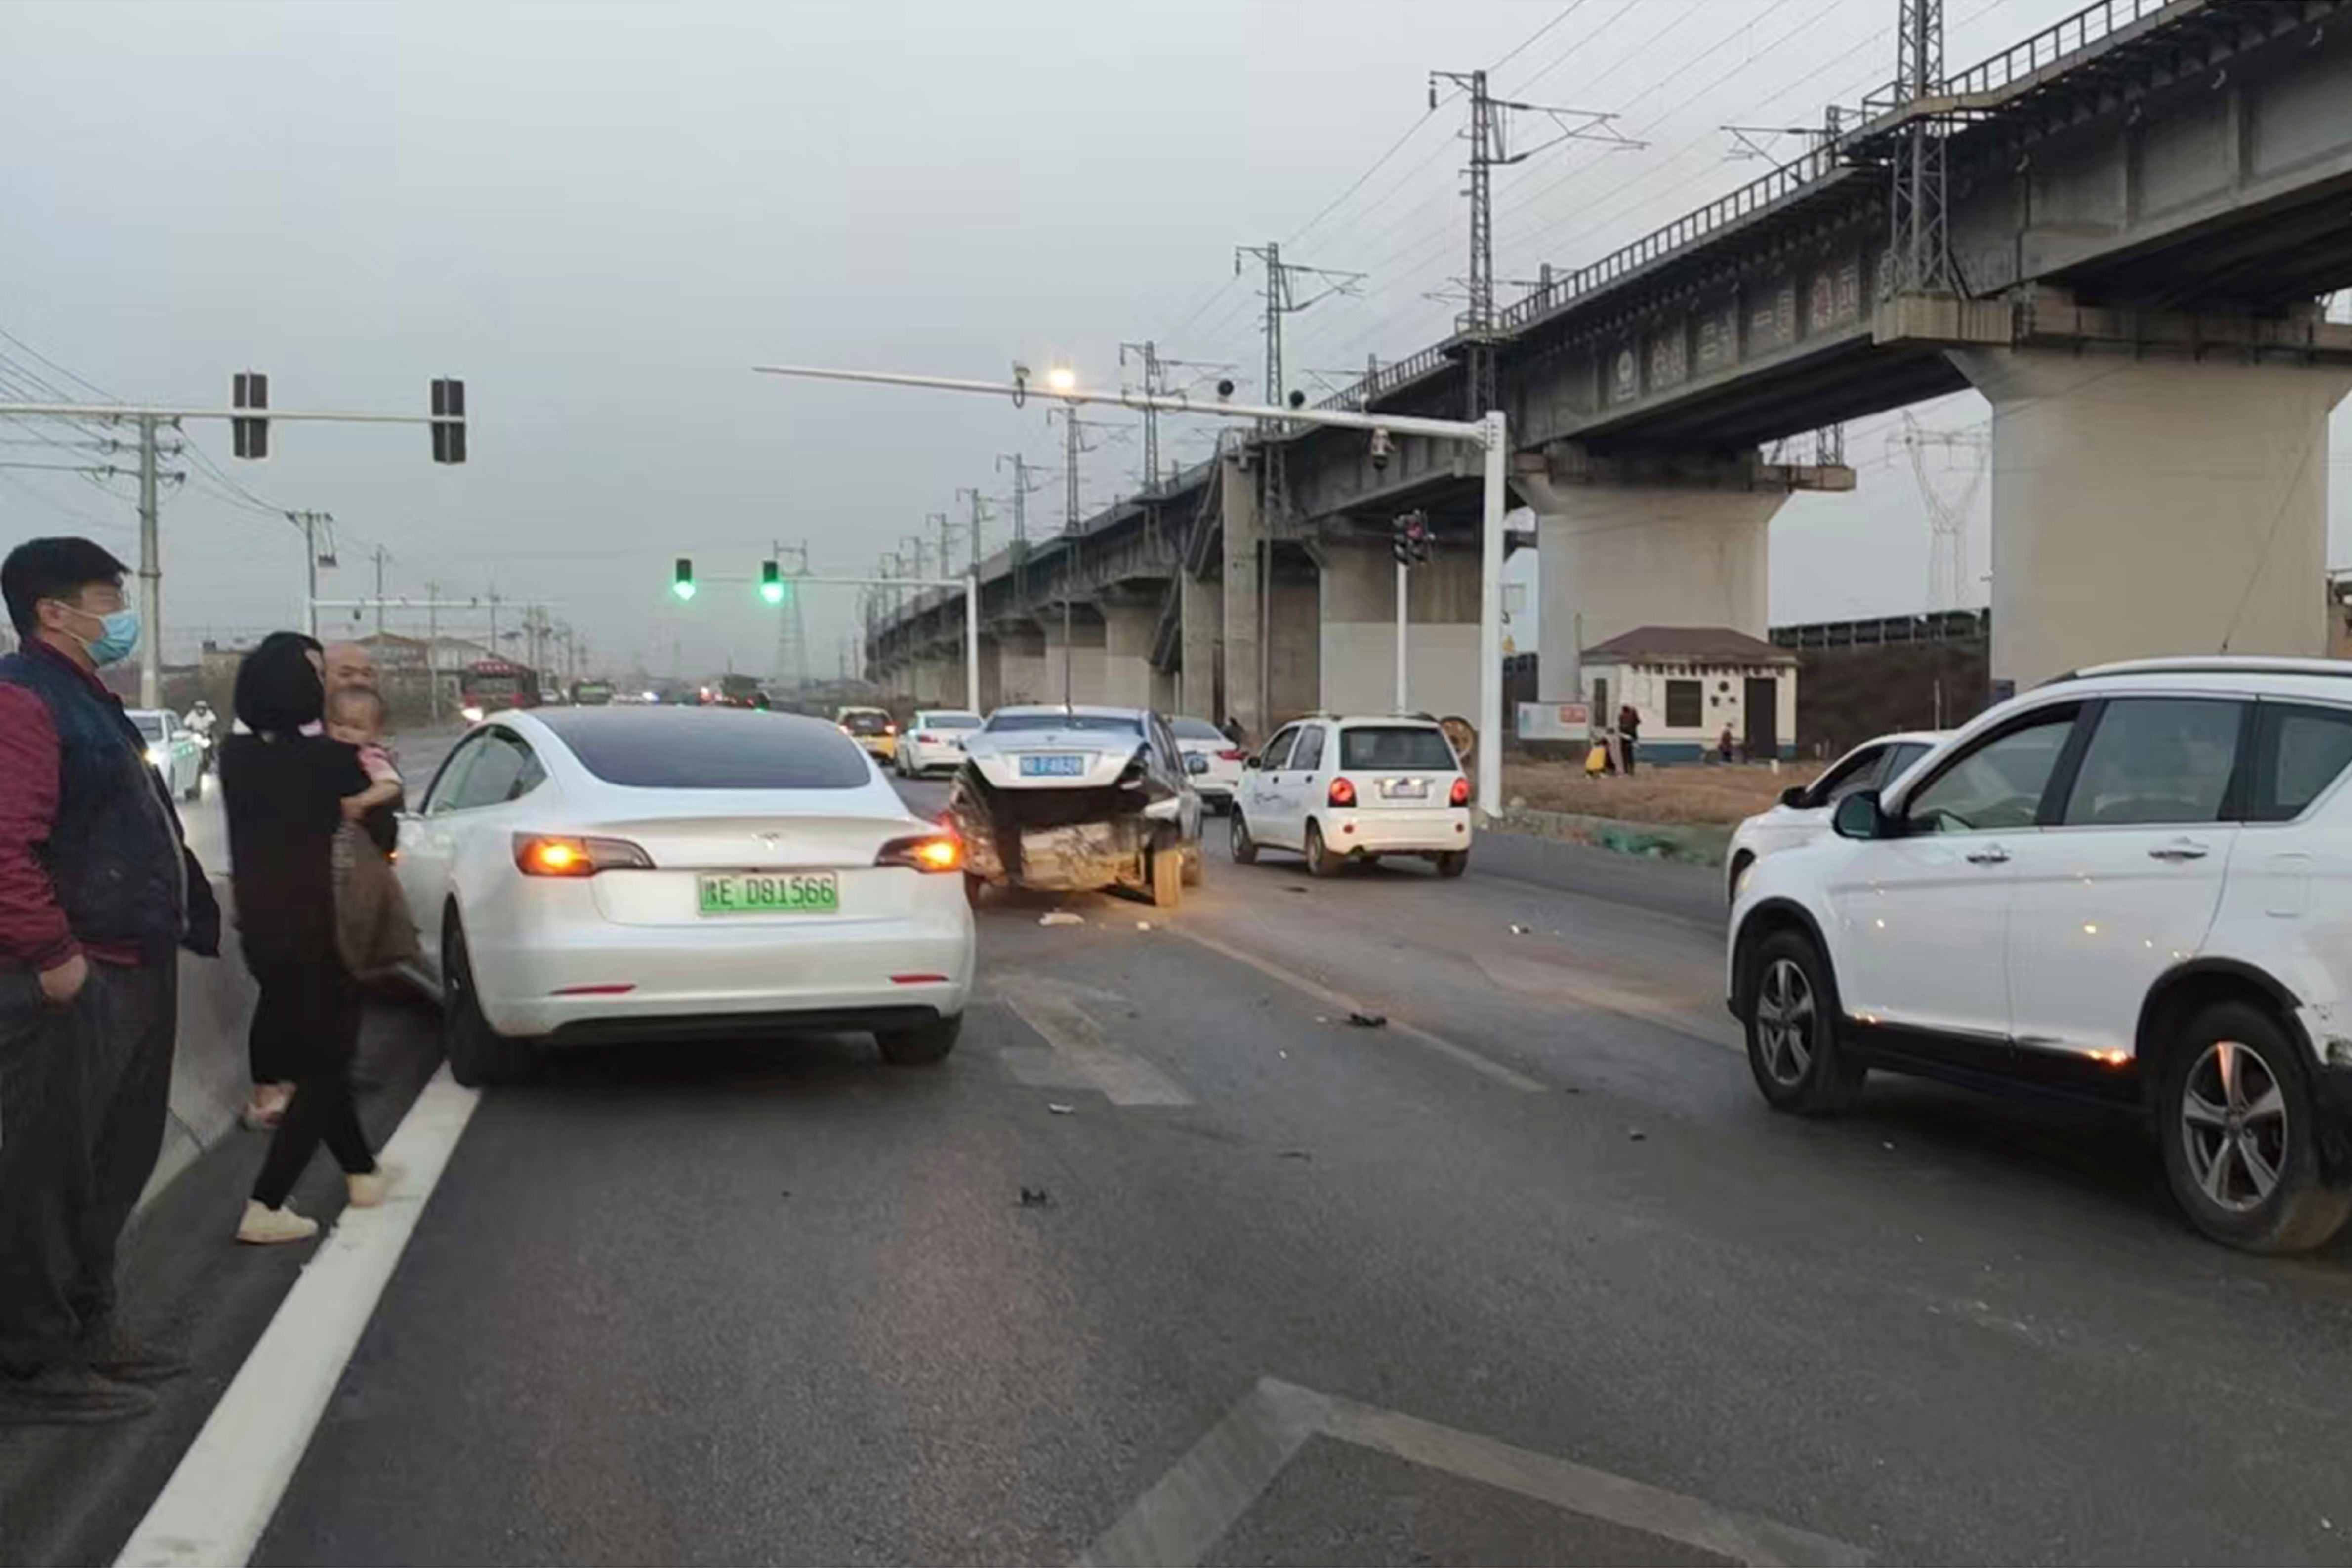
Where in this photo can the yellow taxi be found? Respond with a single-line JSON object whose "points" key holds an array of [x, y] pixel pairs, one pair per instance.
{"points": [[872, 728]]}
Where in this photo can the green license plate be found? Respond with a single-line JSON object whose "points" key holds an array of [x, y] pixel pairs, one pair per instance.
{"points": [[766, 893]]}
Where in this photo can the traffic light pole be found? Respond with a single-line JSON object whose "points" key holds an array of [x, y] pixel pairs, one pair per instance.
{"points": [[149, 418], [1491, 433], [1403, 680]]}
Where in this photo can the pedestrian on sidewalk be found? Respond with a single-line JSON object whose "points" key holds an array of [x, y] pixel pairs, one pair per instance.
{"points": [[1629, 736], [97, 893], [282, 787]]}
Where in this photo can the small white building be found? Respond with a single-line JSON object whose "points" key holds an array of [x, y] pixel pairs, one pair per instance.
{"points": [[1688, 683]]}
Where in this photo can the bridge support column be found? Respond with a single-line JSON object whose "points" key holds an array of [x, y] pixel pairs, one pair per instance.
{"points": [[1245, 606], [1202, 608], [929, 679], [1074, 655], [1358, 640], [1019, 668], [1129, 622], [2154, 506], [1615, 557]]}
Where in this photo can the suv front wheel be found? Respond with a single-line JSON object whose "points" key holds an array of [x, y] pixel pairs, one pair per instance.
{"points": [[2240, 1128], [1790, 1010]]}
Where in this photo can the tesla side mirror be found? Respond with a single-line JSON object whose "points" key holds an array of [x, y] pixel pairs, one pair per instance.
{"points": [[1858, 817], [1194, 762], [1793, 795]]}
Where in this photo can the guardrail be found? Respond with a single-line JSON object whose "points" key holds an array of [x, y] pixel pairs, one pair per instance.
{"points": [[2071, 36]]}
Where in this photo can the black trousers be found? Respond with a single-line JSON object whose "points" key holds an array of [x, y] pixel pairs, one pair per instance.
{"points": [[84, 1094], [316, 1006]]}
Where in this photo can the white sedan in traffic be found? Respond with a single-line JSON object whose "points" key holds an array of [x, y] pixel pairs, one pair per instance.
{"points": [[1802, 816], [1220, 781], [934, 739], [583, 875]]}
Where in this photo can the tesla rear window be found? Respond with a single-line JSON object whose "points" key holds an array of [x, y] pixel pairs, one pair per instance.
{"points": [[710, 749], [1396, 746]]}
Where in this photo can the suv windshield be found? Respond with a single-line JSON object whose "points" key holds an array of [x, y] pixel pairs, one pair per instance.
{"points": [[1107, 723], [1393, 746]]}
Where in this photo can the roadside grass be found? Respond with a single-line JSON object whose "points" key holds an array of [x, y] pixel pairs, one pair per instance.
{"points": [[1683, 794]]}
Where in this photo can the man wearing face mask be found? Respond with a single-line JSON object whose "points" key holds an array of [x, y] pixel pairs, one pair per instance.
{"points": [[96, 894]]}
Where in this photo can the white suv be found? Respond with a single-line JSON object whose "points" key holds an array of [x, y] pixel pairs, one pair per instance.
{"points": [[2131, 887], [1342, 791]]}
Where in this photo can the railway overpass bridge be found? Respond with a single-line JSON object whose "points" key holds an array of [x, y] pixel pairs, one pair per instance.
{"points": [[2144, 206]]}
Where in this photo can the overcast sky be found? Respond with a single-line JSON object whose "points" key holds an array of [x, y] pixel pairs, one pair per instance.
{"points": [[601, 214]]}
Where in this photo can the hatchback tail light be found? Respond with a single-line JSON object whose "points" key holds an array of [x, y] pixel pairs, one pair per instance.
{"points": [[1343, 790], [924, 852], [889, 729], [1461, 793], [555, 855]]}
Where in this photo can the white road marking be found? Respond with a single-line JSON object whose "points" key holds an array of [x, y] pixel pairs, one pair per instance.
{"points": [[1183, 1517], [1084, 1055], [229, 1484], [1341, 1004], [1575, 986]]}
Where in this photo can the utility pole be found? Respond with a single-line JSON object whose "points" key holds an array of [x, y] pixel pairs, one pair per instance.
{"points": [[979, 516], [433, 649], [494, 624], [381, 553], [309, 522], [1489, 147], [150, 574], [1282, 300], [1022, 491], [792, 631], [947, 530], [1920, 243], [1149, 353]]}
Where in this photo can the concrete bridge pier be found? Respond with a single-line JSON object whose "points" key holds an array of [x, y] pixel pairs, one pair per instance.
{"points": [[2144, 505], [1356, 602], [1130, 616], [1243, 620], [1073, 654], [1017, 673], [1620, 547], [1200, 606]]}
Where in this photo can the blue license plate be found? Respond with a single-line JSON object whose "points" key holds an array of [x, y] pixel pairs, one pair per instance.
{"points": [[1067, 767]]}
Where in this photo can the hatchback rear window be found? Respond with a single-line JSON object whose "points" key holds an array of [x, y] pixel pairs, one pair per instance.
{"points": [[709, 748], [866, 723], [1393, 746]]}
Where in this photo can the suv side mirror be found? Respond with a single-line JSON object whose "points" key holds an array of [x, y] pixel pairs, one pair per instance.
{"points": [[1858, 817], [1794, 796], [1255, 760], [1194, 762]]}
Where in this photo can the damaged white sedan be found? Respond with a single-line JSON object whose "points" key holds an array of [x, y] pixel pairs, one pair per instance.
{"points": [[1073, 799]]}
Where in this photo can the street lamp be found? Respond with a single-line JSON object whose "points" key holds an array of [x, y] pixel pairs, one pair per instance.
{"points": [[1062, 379], [1491, 435]]}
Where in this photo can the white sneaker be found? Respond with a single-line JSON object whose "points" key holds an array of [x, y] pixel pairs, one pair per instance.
{"points": [[263, 1226], [370, 1188]]}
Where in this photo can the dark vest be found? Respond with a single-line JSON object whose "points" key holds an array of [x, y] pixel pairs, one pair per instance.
{"points": [[113, 853]]}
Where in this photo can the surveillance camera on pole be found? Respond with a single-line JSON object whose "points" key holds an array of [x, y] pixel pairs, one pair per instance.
{"points": [[1384, 447]]}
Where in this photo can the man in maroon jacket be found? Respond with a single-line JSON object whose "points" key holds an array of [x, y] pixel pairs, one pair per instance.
{"points": [[97, 892]]}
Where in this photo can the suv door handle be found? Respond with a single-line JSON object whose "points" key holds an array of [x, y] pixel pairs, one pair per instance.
{"points": [[1991, 855], [2179, 849]]}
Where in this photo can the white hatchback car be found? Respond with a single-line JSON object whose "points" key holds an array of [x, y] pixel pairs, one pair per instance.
{"points": [[2129, 887], [1354, 790], [1802, 814], [934, 739], [623, 874]]}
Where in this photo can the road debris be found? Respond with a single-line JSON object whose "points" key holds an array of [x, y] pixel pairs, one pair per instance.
{"points": [[1518, 929], [1143, 925], [1295, 1154], [1060, 917], [1061, 1109], [1368, 1020], [1635, 1135], [1035, 1198]]}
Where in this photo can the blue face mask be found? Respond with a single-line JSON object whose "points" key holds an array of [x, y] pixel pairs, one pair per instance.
{"points": [[118, 637]]}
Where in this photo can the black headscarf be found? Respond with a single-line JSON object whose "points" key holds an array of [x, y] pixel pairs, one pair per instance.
{"points": [[278, 687]]}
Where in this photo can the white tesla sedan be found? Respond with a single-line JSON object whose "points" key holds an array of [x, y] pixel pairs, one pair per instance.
{"points": [[586, 875]]}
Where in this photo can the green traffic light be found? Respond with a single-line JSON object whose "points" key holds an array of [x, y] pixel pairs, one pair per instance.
{"points": [[683, 588], [773, 592]]}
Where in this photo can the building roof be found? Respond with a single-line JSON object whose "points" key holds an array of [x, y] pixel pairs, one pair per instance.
{"points": [[1686, 645]]}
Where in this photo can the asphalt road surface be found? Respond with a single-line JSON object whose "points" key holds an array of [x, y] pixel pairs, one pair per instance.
{"points": [[1524, 1273]]}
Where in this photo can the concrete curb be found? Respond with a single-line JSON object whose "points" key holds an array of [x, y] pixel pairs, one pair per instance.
{"points": [[209, 1073], [1698, 844]]}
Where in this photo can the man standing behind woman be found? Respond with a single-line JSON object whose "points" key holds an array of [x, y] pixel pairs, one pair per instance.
{"points": [[283, 785]]}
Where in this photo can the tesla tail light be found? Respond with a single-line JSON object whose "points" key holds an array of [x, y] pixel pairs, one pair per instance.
{"points": [[1343, 792], [555, 855], [1461, 792], [924, 852]]}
